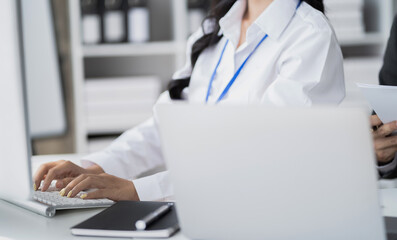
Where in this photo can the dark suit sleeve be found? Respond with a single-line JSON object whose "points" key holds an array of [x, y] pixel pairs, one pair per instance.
{"points": [[388, 73]]}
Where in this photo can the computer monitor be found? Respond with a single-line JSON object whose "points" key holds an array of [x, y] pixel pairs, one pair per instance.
{"points": [[15, 166], [46, 106], [14, 143]]}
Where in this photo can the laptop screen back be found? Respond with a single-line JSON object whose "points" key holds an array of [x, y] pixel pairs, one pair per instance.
{"points": [[251, 172]]}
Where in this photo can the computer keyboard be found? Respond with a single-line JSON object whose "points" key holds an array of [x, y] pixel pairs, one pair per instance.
{"points": [[52, 198]]}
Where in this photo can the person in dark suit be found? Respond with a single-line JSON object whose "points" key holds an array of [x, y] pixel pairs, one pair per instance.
{"points": [[386, 143]]}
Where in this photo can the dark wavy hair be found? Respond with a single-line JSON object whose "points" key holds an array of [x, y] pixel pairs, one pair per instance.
{"points": [[218, 9]]}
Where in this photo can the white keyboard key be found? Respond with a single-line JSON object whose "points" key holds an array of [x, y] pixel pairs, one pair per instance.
{"points": [[54, 199]]}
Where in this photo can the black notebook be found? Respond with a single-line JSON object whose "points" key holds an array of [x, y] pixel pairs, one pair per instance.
{"points": [[119, 221]]}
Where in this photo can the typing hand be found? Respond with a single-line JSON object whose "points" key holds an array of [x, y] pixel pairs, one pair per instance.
{"points": [[105, 185], [385, 144], [62, 171]]}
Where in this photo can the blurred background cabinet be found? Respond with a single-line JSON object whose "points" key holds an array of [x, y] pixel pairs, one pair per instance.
{"points": [[362, 28], [116, 82]]}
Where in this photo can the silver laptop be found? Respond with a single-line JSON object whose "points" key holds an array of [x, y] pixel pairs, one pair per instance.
{"points": [[251, 172], [15, 171]]}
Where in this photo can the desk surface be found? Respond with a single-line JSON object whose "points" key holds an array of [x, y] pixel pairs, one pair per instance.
{"points": [[18, 223]]}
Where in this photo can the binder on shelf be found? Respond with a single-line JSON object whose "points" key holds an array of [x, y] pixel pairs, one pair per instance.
{"points": [[113, 105], [114, 26], [119, 107], [346, 16], [341, 5], [197, 10], [201, 4], [91, 21], [137, 88], [115, 124], [138, 21], [119, 221]]}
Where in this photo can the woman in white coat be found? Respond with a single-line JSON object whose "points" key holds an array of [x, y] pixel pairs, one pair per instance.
{"points": [[273, 52]]}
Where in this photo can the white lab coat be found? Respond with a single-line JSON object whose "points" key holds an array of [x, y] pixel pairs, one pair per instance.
{"points": [[299, 64]]}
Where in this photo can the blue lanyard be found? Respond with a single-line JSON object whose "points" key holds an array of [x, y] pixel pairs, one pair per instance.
{"points": [[237, 72], [234, 76]]}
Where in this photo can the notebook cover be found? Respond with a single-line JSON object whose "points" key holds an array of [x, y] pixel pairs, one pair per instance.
{"points": [[119, 221]]}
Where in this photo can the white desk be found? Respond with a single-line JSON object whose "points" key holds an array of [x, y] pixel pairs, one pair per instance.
{"points": [[17, 223]]}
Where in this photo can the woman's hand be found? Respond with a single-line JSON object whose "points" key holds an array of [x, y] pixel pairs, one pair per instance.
{"points": [[63, 171], [108, 186], [385, 145]]}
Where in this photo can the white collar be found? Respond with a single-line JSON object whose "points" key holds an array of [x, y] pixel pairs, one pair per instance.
{"points": [[273, 21]]}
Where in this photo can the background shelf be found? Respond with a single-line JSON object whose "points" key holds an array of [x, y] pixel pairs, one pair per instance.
{"points": [[133, 49], [166, 52], [362, 40]]}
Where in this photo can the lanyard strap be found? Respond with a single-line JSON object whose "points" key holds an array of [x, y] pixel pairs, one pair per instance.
{"points": [[238, 70], [214, 73], [234, 76]]}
